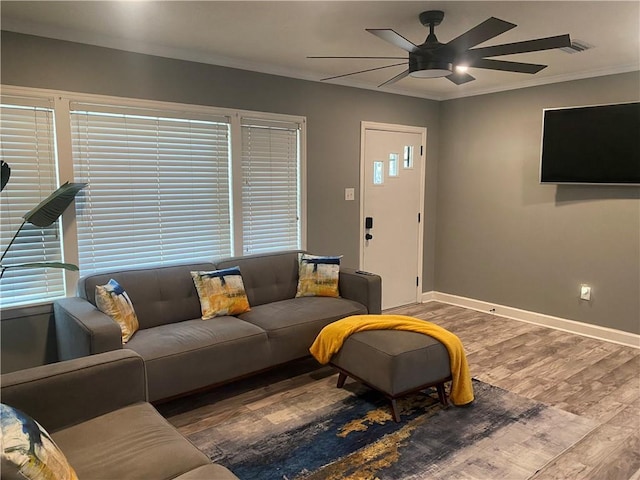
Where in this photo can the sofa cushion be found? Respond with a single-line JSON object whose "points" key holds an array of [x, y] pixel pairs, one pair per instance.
{"points": [[28, 452], [188, 355], [318, 276], [292, 325], [160, 295], [134, 442], [221, 292], [267, 277], [113, 300]]}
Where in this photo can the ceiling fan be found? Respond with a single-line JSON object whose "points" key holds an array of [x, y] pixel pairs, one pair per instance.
{"points": [[433, 59]]}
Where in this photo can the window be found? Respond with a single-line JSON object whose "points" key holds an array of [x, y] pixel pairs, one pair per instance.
{"points": [[167, 183], [408, 156], [27, 144], [393, 164], [270, 186], [158, 188], [378, 173]]}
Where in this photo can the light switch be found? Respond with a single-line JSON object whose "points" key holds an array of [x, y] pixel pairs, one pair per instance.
{"points": [[349, 194]]}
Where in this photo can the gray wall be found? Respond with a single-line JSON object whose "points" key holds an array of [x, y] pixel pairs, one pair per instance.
{"points": [[333, 117], [499, 235], [27, 338], [502, 237]]}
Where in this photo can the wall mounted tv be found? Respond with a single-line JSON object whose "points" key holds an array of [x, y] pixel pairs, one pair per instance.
{"points": [[591, 145]]}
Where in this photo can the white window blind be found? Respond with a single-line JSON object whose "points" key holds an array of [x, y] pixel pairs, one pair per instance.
{"points": [[158, 187], [270, 186], [27, 144]]}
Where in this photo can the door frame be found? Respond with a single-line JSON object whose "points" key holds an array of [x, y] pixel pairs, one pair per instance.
{"points": [[390, 127]]}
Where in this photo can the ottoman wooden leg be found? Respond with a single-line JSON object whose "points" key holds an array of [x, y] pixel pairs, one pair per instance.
{"points": [[341, 379], [394, 410], [442, 394]]}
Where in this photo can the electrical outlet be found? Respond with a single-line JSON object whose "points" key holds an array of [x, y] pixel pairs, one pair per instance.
{"points": [[585, 292]]}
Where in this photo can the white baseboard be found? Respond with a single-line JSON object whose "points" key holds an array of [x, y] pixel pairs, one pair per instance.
{"points": [[571, 326], [428, 296]]}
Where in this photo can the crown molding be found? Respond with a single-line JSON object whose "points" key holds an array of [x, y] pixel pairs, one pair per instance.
{"points": [[548, 80], [105, 41]]}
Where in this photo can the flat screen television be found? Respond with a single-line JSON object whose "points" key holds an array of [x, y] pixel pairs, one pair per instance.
{"points": [[597, 145]]}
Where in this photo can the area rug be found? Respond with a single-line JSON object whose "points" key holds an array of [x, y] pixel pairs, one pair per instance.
{"points": [[329, 433]]}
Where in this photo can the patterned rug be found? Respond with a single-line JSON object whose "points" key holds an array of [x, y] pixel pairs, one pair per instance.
{"points": [[330, 434]]}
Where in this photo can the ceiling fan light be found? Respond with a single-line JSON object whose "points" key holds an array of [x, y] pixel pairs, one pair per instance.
{"points": [[433, 73], [430, 69]]}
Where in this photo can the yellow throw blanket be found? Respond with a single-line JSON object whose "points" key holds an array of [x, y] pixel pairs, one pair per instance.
{"points": [[331, 338]]}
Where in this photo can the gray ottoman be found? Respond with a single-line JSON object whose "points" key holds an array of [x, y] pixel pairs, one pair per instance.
{"points": [[394, 362]]}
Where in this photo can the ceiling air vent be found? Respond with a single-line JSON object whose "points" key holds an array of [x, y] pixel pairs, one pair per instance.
{"points": [[577, 46]]}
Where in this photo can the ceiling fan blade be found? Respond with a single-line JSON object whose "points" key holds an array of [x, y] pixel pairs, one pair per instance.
{"points": [[394, 38], [460, 77], [547, 43], [488, 29], [400, 76], [381, 58], [363, 71], [507, 66]]}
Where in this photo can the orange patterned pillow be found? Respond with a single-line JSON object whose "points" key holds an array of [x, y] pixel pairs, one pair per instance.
{"points": [[112, 300], [28, 451], [221, 292], [318, 276]]}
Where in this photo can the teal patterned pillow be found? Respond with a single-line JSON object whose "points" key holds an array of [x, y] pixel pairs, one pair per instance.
{"points": [[28, 451]]}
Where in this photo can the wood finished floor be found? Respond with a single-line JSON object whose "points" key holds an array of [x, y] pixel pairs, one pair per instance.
{"points": [[588, 377]]}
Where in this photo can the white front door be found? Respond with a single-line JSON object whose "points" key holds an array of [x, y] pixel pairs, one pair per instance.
{"points": [[392, 197]]}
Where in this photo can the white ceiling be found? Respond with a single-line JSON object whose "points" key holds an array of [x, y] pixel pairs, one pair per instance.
{"points": [[276, 37]]}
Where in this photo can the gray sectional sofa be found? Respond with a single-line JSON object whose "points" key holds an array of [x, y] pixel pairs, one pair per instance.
{"points": [[183, 353], [95, 409]]}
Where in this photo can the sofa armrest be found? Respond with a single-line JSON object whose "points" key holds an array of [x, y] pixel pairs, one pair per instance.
{"points": [[365, 288], [82, 329], [66, 393]]}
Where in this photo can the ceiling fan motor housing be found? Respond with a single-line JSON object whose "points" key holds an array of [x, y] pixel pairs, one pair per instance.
{"points": [[422, 62]]}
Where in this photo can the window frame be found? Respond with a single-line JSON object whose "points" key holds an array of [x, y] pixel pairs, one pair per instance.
{"points": [[278, 135], [20, 200], [62, 101], [176, 164]]}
